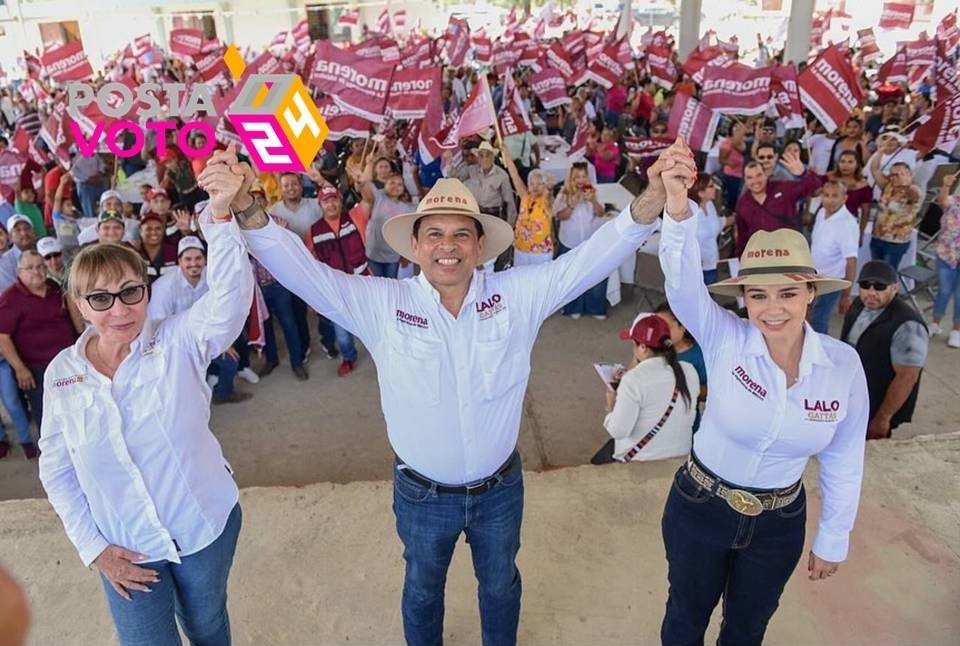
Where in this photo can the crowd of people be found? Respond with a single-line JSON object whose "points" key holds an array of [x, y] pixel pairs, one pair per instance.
{"points": [[761, 247]]}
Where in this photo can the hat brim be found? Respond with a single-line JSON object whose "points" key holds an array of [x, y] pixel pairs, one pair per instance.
{"points": [[734, 286], [497, 234]]}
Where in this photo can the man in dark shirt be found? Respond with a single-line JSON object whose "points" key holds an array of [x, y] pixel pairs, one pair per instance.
{"points": [[768, 205], [35, 326]]}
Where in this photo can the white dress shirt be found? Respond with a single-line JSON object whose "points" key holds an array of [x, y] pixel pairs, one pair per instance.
{"points": [[451, 388], [756, 432], [834, 239], [708, 230], [132, 461], [643, 395], [172, 293]]}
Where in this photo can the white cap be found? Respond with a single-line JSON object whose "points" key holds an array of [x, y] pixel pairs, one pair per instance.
{"points": [[88, 236], [15, 218], [189, 242], [48, 245], [106, 195]]}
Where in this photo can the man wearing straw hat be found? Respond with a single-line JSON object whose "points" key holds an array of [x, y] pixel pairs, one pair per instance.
{"points": [[452, 348]]}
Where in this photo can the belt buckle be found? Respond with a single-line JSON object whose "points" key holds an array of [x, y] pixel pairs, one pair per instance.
{"points": [[475, 487], [744, 502]]}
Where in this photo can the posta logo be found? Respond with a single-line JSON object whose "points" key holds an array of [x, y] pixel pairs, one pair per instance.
{"points": [[273, 114]]}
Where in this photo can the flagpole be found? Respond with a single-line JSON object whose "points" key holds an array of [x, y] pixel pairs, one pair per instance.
{"points": [[493, 112]]}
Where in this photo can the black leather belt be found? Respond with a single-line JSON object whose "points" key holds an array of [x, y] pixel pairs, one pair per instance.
{"points": [[470, 489]]}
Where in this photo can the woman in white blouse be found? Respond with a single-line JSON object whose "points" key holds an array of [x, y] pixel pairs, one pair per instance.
{"points": [[734, 522], [127, 456], [650, 414], [709, 225]]}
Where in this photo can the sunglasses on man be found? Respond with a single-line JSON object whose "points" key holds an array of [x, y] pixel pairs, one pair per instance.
{"points": [[875, 286]]}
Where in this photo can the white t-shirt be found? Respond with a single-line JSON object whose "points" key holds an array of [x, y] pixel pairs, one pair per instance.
{"points": [[299, 221], [820, 146], [642, 398], [834, 240]]}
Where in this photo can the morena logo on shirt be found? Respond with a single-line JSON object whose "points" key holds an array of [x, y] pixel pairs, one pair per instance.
{"points": [[747, 382], [68, 381], [412, 319]]}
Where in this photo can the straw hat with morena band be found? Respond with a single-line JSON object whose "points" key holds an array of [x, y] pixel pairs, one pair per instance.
{"points": [[780, 257], [448, 197]]}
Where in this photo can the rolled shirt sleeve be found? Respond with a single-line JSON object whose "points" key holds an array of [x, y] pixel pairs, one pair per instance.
{"points": [[910, 345]]}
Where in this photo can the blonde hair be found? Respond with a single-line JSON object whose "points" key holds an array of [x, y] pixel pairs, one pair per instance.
{"points": [[111, 261]]}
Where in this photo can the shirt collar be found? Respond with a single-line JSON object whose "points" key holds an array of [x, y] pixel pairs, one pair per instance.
{"points": [[812, 352], [476, 286]]}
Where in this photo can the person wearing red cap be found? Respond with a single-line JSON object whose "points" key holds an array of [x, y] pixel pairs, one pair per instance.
{"points": [[159, 251], [337, 241], [650, 414]]}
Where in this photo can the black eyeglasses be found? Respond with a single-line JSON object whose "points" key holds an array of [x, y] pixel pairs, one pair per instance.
{"points": [[875, 286], [55, 254], [102, 301]]}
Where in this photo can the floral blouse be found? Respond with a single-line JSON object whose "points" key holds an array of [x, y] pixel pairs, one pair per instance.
{"points": [[533, 232], [948, 242]]}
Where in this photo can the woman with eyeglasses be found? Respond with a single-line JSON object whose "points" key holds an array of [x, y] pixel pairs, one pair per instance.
{"points": [[128, 460]]}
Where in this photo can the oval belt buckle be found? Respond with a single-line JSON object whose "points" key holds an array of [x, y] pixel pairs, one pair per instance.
{"points": [[744, 502]]}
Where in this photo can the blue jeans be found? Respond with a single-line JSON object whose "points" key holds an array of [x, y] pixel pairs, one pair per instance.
{"points": [[226, 370], [891, 252], [429, 524], [592, 302], [89, 195], [193, 591], [714, 551], [334, 336], [384, 269], [948, 284], [10, 397], [280, 305], [821, 311]]}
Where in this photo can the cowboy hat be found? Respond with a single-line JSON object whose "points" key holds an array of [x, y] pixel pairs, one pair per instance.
{"points": [[485, 147], [780, 257], [448, 197]]}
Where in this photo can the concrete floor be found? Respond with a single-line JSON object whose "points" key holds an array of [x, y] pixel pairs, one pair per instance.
{"points": [[321, 564]]}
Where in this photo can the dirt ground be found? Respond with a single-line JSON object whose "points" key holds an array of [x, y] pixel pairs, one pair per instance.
{"points": [[321, 564], [330, 429]]}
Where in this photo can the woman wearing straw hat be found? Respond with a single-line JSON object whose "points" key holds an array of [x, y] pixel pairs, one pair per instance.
{"points": [[734, 522]]}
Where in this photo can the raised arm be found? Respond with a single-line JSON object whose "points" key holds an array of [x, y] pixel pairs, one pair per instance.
{"points": [[365, 183], [518, 184]]}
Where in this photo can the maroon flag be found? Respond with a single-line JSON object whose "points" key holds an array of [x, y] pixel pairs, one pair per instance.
{"points": [[301, 34], [573, 43], [579, 146], [432, 126], [606, 69], [482, 49], [383, 22], [940, 129], [737, 89], [279, 40], [896, 15], [660, 39], [530, 56], [948, 31], [662, 70], [646, 146], [786, 97], [369, 48], [700, 57], [920, 53], [355, 83], [513, 116], [142, 44], [505, 56], [476, 116], [817, 28], [67, 63], [55, 131], [868, 44], [186, 42], [400, 18], [410, 91], [458, 41], [693, 121], [12, 164], [349, 18], [33, 65], [212, 65], [894, 69], [342, 123], [417, 52], [829, 88], [558, 58], [549, 86], [948, 80]]}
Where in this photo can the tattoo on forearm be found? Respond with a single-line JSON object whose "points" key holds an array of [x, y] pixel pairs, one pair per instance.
{"points": [[647, 206], [253, 217]]}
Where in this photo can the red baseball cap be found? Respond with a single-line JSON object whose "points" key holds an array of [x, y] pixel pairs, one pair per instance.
{"points": [[154, 192], [327, 192], [150, 215], [649, 330]]}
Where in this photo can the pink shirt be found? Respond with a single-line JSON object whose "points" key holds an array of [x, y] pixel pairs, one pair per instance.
{"points": [[607, 168]]}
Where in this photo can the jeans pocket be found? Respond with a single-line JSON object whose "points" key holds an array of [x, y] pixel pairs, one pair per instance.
{"points": [[795, 508], [688, 489], [408, 490], [513, 476]]}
